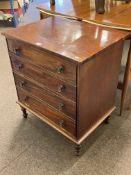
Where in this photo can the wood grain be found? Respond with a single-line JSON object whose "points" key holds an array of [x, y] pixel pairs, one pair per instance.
{"points": [[47, 96], [44, 60], [43, 77], [54, 116], [97, 86], [74, 40]]}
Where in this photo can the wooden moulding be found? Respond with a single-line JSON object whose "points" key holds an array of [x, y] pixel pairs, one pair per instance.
{"points": [[103, 24], [64, 133], [112, 26], [58, 14]]}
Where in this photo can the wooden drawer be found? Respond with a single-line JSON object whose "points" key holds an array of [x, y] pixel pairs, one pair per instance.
{"points": [[45, 111], [65, 106], [44, 78], [59, 66]]}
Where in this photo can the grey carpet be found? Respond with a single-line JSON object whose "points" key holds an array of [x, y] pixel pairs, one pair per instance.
{"points": [[30, 147]]}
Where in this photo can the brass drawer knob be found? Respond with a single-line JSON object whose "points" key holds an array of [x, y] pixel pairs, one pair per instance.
{"points": [[61, 88], [61, 106], [61, 123], [22, 83], [60, 69], [16, 51]]}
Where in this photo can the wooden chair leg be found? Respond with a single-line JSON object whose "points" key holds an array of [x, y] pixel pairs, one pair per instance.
{"points": [[126, 80], [52, 2], [130, 105], [100, 6], [130, 99], [123, 96]]}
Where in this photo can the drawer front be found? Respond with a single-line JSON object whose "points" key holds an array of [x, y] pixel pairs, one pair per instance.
{"points": [[52, 115], [59, 66], [65, 106], [44, 78]]}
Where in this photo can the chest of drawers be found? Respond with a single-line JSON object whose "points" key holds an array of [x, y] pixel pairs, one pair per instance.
{"points": [[66, 73]]}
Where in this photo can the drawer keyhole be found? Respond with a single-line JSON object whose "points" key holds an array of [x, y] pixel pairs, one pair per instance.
{"points": [[61, 106], [20, 66], [16, 51], [26, 98], [61, 123], [60, 69], [61, 88], [22, 83]]}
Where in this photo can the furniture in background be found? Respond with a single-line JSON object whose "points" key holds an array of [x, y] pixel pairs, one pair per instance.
{"points": [[130, 100], [117, 15], [66, 73], [12, 10], [99, 5], [124, 77]]}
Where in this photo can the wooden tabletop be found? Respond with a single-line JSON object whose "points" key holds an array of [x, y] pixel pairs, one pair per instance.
{"points": [[73, 39], [117, 13]]}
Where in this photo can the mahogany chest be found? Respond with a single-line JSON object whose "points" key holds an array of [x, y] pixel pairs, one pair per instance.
{"points": [[66, 72]]}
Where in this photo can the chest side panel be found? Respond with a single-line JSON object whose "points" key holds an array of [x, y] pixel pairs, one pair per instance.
{"points": [[97, 85]]}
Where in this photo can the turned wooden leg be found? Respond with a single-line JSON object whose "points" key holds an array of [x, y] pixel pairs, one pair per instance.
{"points": [[78, 149], [123, 96], [127, 1], [130, 106], [100, 6], [106, 121], [24, 112], [52, 2]]}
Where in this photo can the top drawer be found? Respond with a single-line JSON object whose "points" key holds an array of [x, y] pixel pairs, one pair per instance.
{"points": [[58, 66]]}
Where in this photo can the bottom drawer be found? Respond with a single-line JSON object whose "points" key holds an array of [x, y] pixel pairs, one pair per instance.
{"points": [[62, 122]]}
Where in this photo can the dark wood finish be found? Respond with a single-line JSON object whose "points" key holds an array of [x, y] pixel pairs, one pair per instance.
{"points": [[24, 112], [28, 85], [117, 15], [124, 80], [62, 122], [78, 149], [69, 48], [130, 78], [95, 88], [106, 121], [91, 53], [43, 77], [100, 6], [52, 2], [45, 60]]}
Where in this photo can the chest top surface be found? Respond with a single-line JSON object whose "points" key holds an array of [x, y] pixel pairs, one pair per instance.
{"points": [[75, 40]]}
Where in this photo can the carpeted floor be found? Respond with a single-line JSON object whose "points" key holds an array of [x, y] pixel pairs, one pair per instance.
{"points": [[30, 147]]}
